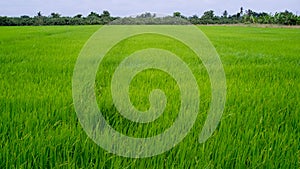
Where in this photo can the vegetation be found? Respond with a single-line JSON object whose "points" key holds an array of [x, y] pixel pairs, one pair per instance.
{"points": [[145, 19], [56, 19], [259, 128], [245, 17], [282, 18]]}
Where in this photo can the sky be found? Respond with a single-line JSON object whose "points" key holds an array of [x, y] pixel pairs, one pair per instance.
{"points": [[134, 7]]}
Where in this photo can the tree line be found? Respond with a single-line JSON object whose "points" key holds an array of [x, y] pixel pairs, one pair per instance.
{"points": [[56, 19], [208, 17], [245, 17]]}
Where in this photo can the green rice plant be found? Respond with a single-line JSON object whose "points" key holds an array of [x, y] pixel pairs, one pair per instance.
{"points": [[259, 128]]}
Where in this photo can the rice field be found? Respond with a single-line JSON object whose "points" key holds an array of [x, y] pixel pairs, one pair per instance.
{"points": [[259, 127]]}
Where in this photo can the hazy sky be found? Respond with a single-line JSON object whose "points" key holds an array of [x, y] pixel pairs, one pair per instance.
{"points": [[132, 7]]}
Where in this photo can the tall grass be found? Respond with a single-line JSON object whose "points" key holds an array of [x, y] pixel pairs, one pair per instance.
{"points": [[259, 128]]}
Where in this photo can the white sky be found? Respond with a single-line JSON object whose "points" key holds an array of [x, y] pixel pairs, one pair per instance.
{"points": [[133, 7]]}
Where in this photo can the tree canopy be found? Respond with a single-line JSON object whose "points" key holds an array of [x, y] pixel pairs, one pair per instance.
{"points": [[208, 17]]}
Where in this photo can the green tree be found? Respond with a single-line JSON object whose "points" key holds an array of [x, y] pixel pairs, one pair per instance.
{"points": [[194, 19], [39, 19], [55, 15], [286, 18], [146, 15], [93, 18], [208, 15], [78, 16], [93, 15], [176, 14], [105, 17], [105, 14], [225, 14]]}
